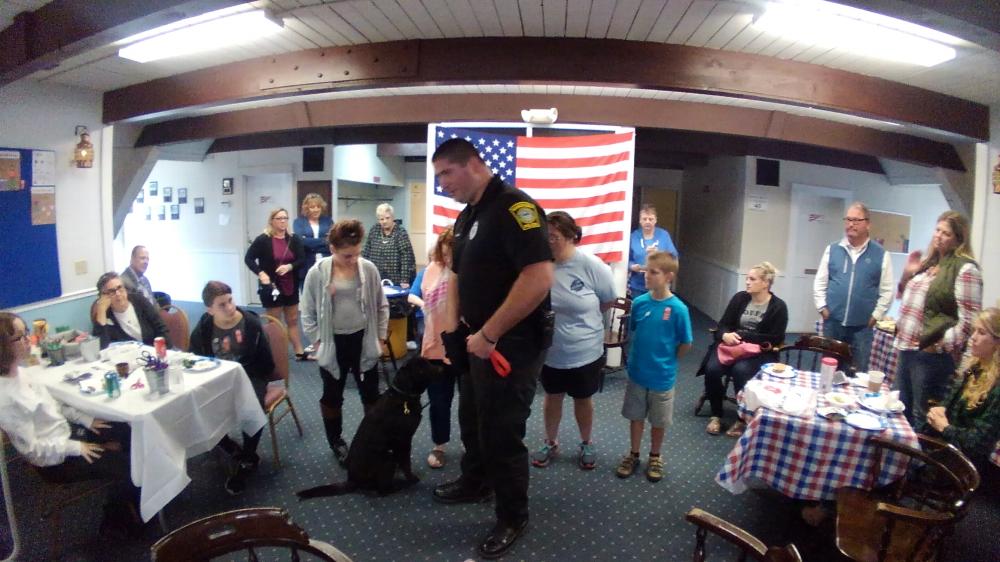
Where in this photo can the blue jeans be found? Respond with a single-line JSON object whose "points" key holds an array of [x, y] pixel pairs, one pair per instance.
{"points": [[858, 337], [922, 376], [440, 395]]}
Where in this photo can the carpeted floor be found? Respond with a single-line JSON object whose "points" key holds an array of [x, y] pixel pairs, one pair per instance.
{"points": [[575, 515]]}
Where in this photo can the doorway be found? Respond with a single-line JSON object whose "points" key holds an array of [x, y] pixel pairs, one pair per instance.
{"points": [[665, 201], [264, 193], [816, 222]]}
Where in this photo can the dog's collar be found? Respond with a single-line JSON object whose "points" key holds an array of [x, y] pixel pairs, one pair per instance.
{"points": [[394, 388]]}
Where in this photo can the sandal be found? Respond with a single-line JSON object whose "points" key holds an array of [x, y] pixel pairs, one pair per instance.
{"points": [[304, 356], [736, 429], [436, 458], [714, 426]]}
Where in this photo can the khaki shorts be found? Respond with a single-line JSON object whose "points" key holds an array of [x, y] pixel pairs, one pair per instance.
{"points": [[656, 406]]}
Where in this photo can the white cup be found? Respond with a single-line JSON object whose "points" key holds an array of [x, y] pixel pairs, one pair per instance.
{"points": [[875, 379], [90, 349]]}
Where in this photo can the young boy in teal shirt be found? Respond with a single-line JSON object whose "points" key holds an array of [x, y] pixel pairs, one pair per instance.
{"points": [[660, 328]]}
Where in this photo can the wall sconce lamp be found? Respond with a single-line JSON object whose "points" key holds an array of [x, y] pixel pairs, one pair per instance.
{"points": [[540, 116], [83, 156]]}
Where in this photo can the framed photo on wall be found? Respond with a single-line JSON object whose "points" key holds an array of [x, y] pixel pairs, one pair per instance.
{"points": [[175, 212], [182, 195], [199, 205], [162, 214], [141, 197], [154, 188], [227, 186], [168, 194]]}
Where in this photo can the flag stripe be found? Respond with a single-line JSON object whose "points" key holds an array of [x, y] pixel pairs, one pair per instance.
{"points": [[528, 183], [572, 162], [609, 257], [581, 173], [581, 202], [602, 237], [601, 218], [445, 212], [572, 142]]}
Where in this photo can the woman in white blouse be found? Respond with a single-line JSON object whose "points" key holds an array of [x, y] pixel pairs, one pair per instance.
{"points": [[63, 444]]}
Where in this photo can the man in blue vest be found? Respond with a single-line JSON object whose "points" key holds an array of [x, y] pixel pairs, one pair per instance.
{"points": [[853, 286]]}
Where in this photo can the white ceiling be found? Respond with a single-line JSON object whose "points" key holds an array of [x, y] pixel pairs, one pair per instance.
{"points": [[974, 74]]}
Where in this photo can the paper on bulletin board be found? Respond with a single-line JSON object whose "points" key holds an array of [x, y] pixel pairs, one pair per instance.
{"points": [[223, 219], [43, 205], [10, 171], [43, 167]]}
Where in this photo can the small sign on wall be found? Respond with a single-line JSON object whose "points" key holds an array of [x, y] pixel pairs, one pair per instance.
{"points": [[227, 186], [757, 203]]}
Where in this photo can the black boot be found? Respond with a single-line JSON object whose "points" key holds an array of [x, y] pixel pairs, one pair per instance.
{"points": [[333, 423]]}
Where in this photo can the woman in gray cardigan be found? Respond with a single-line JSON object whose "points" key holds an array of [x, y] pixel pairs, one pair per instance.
{"points": [[346, 315]]}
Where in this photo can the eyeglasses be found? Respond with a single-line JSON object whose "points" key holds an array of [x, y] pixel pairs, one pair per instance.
{"points": [[853, 220], [280, 218], [109, 292], [22, 337]]}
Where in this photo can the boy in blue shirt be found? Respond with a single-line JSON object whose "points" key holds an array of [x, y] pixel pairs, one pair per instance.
{"points": [[660, 328]]}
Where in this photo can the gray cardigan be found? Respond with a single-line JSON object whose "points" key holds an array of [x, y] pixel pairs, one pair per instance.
{"points": [[317, 313]]}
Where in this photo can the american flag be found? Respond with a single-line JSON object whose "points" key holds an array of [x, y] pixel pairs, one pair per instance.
{"points": [[587, 176]]}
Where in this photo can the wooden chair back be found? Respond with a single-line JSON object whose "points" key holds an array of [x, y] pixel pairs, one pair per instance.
{"points": [[277, 337], [177, 322], [749, 546], [241, 530], [619, 313], [808, 351]]}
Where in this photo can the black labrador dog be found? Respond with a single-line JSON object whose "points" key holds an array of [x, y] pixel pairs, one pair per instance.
{"points": [[383, 441]]}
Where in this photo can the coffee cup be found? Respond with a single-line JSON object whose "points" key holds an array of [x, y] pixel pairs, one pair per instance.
{"points": [[875, 379], [123, 369]]}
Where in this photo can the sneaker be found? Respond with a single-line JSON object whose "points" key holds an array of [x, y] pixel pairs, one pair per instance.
{"points": [[542, 457], [654, 470], [309, 349], [340, 451], [237, 483], [411, 345], [587, 458], [627, 466]]}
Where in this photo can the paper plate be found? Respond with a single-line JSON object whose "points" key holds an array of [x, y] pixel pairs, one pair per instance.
{"points": [[839, 399], [873, 401], [202, 365], [831, 413], [788, 373], [865, 420]]}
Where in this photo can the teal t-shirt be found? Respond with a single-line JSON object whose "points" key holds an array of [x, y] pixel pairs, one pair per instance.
{"points": [[657, 327]]}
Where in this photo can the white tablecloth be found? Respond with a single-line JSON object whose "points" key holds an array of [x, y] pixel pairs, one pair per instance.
{"points": [[166, 430]]}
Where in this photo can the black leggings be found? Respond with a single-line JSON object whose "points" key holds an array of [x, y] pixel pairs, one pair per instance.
{"points": [[349, 361]]}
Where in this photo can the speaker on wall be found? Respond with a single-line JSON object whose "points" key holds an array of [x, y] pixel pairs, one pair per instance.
{"points": [[768, 172], [312, 159]]}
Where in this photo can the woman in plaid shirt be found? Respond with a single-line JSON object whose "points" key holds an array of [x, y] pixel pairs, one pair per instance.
{"points": [[389, 248], [941, 297]]}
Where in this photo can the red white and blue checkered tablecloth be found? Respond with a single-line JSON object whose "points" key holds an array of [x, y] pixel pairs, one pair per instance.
{"points": [[883, 356], [809, 458]]}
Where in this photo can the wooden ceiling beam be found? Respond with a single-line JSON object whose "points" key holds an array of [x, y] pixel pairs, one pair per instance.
{"points": [[62, 29], [685, 116], [533, 60]]}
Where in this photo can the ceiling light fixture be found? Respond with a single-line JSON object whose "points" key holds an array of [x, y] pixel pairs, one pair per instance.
{"points": [[827, 25], [201, 36]]}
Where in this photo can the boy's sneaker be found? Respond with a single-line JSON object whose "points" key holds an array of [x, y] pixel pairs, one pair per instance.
{"points": [[542, 457], [627, 466], [654, 471], [587, 457]]}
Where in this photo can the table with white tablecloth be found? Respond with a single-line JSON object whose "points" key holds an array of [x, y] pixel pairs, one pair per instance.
{"points": [[167, 429]]}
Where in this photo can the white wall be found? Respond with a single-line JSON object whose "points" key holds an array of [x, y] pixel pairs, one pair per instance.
{"points": [[44, 116], [986, 229]]}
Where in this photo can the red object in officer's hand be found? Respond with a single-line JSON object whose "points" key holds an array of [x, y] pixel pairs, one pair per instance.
{"points": [[500, 363]]}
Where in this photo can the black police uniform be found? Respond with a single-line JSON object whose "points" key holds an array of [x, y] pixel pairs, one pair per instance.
{"points": [[494, 240]]}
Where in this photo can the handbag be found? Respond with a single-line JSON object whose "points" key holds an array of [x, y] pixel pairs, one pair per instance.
{"points": [[729, 354]]}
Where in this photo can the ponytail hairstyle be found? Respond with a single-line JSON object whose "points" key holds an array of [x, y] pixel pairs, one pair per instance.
{"points": [[565, 225], [346, 233], [767, 271]]}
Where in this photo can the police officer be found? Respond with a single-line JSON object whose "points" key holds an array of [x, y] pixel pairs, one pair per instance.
{"points": [[498, 301]]}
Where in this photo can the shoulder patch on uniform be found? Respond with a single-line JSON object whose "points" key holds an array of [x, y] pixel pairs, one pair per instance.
{"points": [[526, 215]]}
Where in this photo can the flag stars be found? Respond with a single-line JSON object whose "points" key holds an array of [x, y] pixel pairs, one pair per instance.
{"points": [[496, 157], [503, 164], [495, 171], [454, 136], [482, 141], [441, 134], [510, 144], [467, 139], [483, 156], [510, 172], [510, 158], [503, 150], [496, 142], [489, 149]]}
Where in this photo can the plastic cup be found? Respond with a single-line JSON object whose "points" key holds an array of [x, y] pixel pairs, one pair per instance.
{"points": [[875, 379], [122, 369], [90, 349]]}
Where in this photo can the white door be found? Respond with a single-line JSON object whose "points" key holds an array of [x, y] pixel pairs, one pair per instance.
{"points": [[264, 193], [816, 222]]}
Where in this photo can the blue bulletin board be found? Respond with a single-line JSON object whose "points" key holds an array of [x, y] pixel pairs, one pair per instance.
{"points": [[29, 255]]}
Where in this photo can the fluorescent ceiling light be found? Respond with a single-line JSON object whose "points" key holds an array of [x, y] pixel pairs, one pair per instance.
{"points": [[203, 36], [827, 25]]}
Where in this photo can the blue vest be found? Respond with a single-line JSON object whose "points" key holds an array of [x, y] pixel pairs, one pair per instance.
{"points": [[852, 292]]}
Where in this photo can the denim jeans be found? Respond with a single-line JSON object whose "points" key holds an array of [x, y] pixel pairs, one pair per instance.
{"points": [[922, 376], [858, 337]]}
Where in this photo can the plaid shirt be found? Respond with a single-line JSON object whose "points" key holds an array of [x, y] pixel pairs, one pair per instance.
{"points": [[392, 254], [968, 295]]}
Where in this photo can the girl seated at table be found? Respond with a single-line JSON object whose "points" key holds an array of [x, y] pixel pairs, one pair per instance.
{"points": [[755, 315], [62, 443], [969, 418], [119, 315]]}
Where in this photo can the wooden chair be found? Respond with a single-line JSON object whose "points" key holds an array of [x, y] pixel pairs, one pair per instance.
{"points": [[749, 546], [177, 322], [277, 337], [616, 335], [908, 519], [808, 351], [727, 381], [242, 530], [8, 503]]}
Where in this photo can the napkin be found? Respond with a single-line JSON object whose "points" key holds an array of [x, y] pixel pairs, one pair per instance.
{"points": [[785, 398]]}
